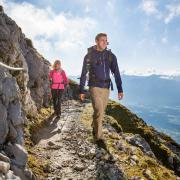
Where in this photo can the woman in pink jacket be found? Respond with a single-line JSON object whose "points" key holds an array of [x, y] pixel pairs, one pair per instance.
{"points": [[58, 80]]}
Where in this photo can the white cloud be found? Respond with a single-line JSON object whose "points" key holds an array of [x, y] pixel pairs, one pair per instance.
{"points": [[164, 40], [149, 6], [66, 36], [174, 11], [87, 9], [54, 35]]}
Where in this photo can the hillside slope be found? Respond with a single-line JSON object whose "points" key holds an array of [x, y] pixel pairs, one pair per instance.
{"points": [[67, 148]]}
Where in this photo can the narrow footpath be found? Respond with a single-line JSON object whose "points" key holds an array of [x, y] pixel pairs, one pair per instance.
{"points": [[70, 151]]}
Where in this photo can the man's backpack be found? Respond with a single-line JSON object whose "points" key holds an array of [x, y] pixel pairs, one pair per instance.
{"points": [[90, 50], [89, 61]]}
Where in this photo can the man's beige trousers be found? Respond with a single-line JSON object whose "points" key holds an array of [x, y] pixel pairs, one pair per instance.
{"points": [[100, 97]]}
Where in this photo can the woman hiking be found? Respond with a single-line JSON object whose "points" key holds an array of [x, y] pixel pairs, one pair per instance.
{"points": [[58, 81]]}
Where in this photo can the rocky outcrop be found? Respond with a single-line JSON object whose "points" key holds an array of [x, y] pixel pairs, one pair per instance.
{"points": [[17, 51], [152, 142], [13, 156], [22, 92]]}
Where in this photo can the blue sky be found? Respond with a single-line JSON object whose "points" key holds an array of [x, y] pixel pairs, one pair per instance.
{"points": [[144, 34]]}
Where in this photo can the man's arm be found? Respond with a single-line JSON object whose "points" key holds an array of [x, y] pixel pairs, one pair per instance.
{"points": [[115, 71], [83, 76]]}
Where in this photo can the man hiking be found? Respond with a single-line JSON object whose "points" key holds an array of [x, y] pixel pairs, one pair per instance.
{"points": [[98, 62], [58, 81]]}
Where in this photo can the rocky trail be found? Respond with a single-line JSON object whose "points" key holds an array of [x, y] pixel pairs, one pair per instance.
{"points": [[68, 146], [65, 142]]}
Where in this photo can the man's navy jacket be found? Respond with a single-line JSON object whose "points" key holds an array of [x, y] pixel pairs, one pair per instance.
{"points": [[101, 67]]}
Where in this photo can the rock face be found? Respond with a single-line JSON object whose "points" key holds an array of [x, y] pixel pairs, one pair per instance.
{"points": [[17, 51], [21, 93]]}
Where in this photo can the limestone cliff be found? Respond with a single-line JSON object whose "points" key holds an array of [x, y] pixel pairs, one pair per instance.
{"points": [[21, 93]]}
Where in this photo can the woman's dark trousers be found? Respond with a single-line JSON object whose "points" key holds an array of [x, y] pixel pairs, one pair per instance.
{"points": [[56, 96]]}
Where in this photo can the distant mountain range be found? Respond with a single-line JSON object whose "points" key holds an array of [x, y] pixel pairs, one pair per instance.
{"points": [[159, 90], [151, 90], [149, 72]]}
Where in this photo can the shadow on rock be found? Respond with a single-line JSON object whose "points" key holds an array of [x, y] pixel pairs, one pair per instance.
{"points": [[48, 131]]}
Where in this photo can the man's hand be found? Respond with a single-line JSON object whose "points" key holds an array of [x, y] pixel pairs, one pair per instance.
{"points": [[82, 97], [120, 95]]}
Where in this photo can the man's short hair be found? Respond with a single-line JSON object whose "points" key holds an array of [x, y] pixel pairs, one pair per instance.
{"points": [[100, 35]]}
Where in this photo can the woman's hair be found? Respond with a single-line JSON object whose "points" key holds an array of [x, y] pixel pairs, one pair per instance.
{"points": [[56, 62]]}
